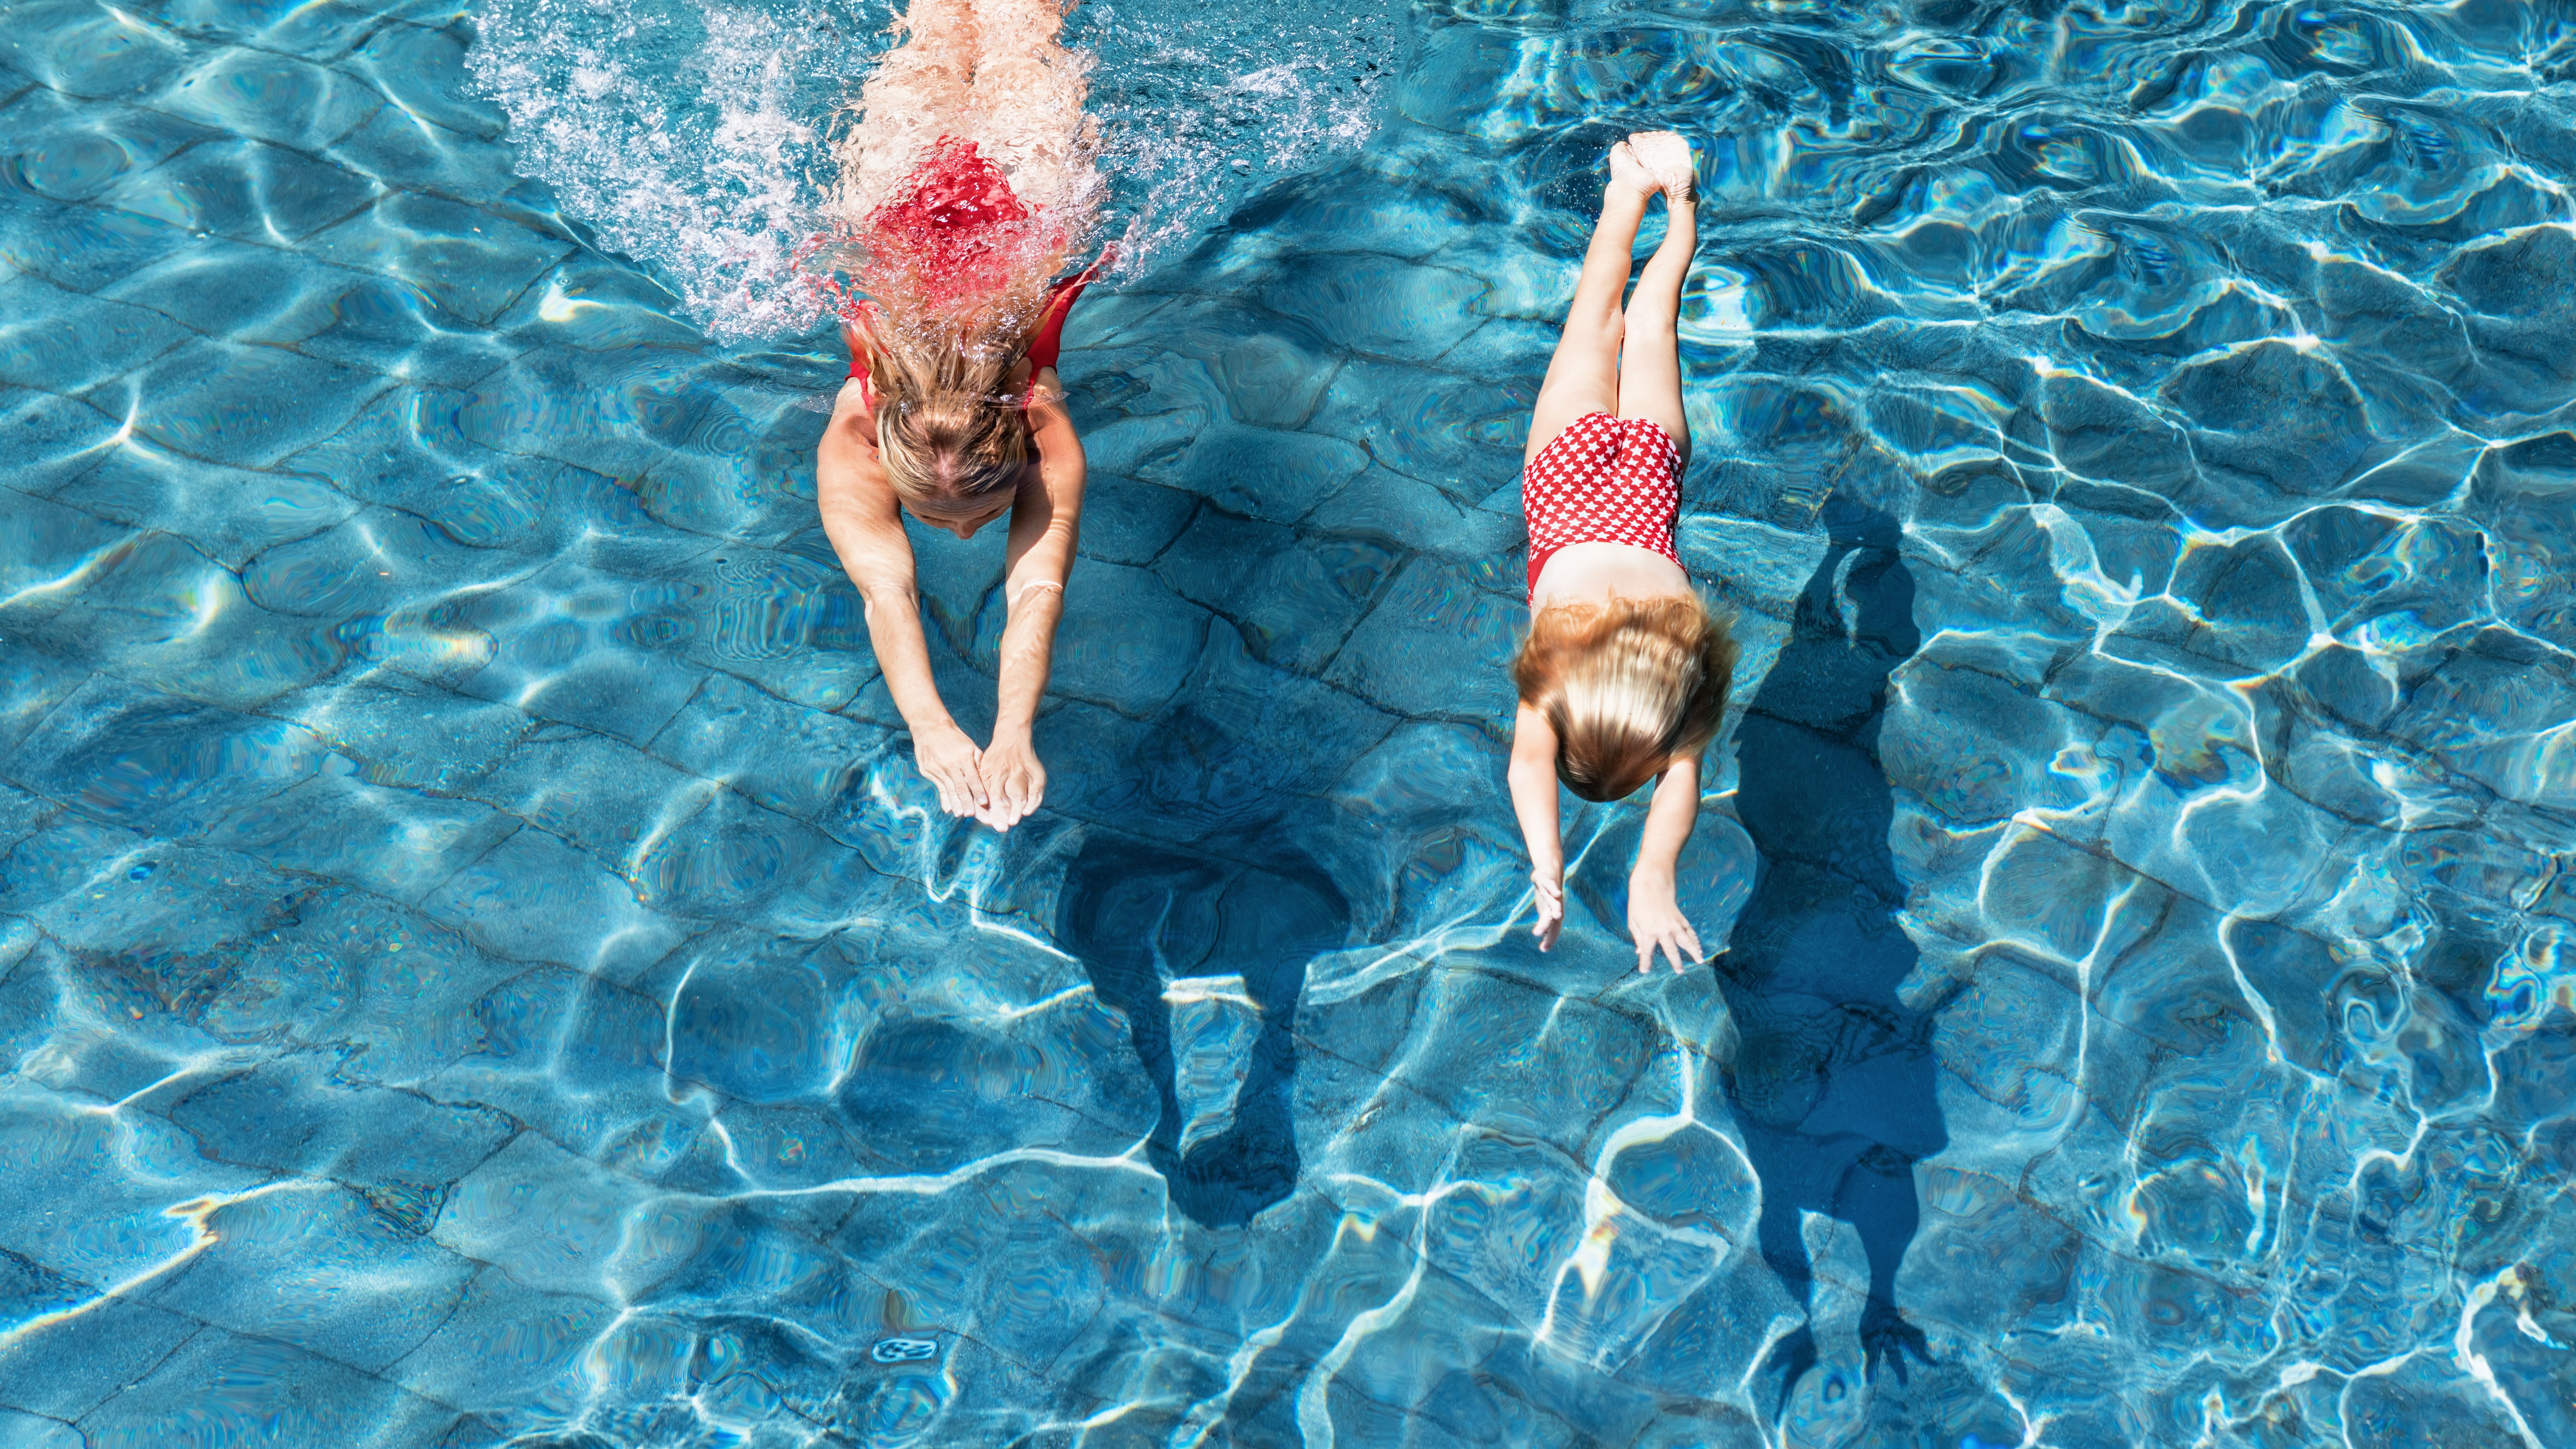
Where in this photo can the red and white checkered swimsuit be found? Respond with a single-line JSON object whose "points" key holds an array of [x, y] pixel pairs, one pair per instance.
{"points": [[1602, 480]]}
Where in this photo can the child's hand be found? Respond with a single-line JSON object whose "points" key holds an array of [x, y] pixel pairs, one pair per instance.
{"points": [[1551, 906], [1656, 923]]}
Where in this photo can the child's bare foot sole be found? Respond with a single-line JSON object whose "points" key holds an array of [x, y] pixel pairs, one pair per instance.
{"points": [[1666, 157]]}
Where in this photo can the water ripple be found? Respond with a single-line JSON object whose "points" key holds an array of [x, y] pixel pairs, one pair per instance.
{"points": [[476, 965]]}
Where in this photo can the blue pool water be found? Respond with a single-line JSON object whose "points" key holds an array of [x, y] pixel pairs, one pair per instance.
{"points": [[480, 969]]}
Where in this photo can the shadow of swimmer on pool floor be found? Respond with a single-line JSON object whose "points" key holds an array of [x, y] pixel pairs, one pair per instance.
{"points": [[1153, 926], [1832, 1076]]}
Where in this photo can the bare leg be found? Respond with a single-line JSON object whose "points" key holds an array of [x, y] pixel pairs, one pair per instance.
{"points": [[920, 91], [1650, 364], [1029, 92], [1583, 376]]}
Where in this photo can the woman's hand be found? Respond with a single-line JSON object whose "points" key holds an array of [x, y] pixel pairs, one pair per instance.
{"points": [[1014, 782], [1656, 923], [1550, 888], [948, 759]]}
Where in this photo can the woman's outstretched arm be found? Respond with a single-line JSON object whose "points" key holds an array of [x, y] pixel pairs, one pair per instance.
{"points": [[1654, 919], [865, 524], [1533, 781], [1046, 524]]}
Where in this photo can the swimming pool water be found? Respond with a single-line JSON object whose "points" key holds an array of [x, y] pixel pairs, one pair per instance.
{"points": [[480, 969]]}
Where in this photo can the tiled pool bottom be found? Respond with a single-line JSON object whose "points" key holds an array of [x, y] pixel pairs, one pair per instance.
{"points": [[480, 968]]}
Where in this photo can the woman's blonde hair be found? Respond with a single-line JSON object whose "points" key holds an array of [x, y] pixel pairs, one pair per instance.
{"points": [[1628, 686], [948, 432]]}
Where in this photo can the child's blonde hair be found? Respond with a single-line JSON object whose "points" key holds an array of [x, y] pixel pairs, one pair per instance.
{"points": [[1628, 686]]}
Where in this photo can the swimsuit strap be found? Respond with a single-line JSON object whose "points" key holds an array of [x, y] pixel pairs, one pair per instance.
{"points": [[1043, 349], [1048, 344]]}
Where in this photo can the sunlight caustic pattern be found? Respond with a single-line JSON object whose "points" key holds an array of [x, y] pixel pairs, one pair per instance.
{"points": [[477, 966]]}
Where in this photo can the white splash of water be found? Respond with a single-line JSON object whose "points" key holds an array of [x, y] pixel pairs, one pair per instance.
{"points": [[1200, 109], [694, 139], [683, 138]]}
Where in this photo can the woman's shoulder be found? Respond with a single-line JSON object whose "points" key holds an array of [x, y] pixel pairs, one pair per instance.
{"points": [[1043, 394], [849, 469], [854, 411]]}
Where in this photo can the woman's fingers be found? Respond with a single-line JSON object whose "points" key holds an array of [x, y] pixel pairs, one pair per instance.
{"points": [[1010, 799], [954, 774], [1013, 784], [997, 810], [1028, 789]]}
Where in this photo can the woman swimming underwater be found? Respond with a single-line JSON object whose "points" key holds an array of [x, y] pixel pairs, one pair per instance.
{"points": [[967, 183]]}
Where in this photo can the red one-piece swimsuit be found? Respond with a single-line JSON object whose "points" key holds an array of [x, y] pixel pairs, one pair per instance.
{"points": [[1602, 480], [958, 227]]}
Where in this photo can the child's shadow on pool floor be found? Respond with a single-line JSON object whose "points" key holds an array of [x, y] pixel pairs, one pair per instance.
{"points": [[1832, 1079]]}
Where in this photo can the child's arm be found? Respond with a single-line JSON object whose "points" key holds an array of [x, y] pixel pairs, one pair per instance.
{"points": [[1654, 920], [1533, 781]]}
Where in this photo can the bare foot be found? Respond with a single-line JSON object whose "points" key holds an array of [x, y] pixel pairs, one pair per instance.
{"points": [[1666, 157], [1629, 173]]}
